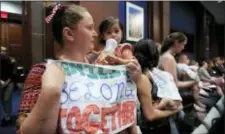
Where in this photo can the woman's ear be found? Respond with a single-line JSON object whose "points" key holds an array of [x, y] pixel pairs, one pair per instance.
{"points": [[68, 34]]}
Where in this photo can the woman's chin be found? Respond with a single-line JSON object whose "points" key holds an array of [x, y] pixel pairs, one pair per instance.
{"points": [[90, 48]]}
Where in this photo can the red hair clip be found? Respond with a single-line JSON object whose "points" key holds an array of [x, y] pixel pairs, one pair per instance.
{"points": [[54, 10]]}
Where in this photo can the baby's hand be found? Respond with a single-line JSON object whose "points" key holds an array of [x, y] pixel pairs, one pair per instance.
{"points": [[115, 60], [109, 59], [101, 59]]}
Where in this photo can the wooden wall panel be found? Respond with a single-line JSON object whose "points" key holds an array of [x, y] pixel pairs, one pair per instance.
{"points": [[165, 19], [11, 38], [156, 25], [26, 34], [100, 10], [159, 19]]}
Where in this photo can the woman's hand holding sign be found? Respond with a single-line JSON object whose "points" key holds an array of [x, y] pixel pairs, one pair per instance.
{"points": [[53, 78], [134, 69]]}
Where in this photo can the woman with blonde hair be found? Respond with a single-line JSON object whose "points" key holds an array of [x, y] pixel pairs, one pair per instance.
{"points": [[73, 29]]}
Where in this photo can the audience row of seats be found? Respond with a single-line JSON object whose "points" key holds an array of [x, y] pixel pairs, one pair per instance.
{"points": [[213, 115]]}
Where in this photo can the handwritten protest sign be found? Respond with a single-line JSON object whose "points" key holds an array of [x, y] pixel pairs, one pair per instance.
{"points": [[96, 99]]}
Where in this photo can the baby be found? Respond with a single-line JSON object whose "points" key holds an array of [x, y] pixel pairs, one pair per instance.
{"points": [[113, 52]]}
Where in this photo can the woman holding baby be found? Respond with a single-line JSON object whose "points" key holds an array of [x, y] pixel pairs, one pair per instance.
{"points": [[73, 30]]}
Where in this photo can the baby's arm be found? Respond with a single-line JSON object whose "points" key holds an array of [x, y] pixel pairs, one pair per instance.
{"points": [[126, 54], [127, 51]]}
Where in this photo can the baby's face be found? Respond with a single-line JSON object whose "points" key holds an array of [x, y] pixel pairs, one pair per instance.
{"points": [[114, 32]]}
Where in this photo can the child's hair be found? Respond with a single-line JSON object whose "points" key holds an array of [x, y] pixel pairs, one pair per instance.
{"points": [[179, 57], [64, 16], [147, 54], [105, 24], [169, 40]]}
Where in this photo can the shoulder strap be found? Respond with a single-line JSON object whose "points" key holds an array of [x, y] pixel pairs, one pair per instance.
{"points": [[154, 86]]}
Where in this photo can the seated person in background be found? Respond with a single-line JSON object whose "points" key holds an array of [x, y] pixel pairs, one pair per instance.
{"points": [[211, 70], [189, 74], [7, 84], [147, 54], [174, 44], [219, 67], [3, 51], [184, 69], [205, 76]]}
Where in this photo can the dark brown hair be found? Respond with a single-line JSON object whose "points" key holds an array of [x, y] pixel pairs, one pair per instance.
{"points": [[147, 54], [105, 24], [169, 40]]}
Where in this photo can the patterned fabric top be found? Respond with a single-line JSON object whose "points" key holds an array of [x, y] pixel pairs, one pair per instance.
{"points": [[31, 92]]}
